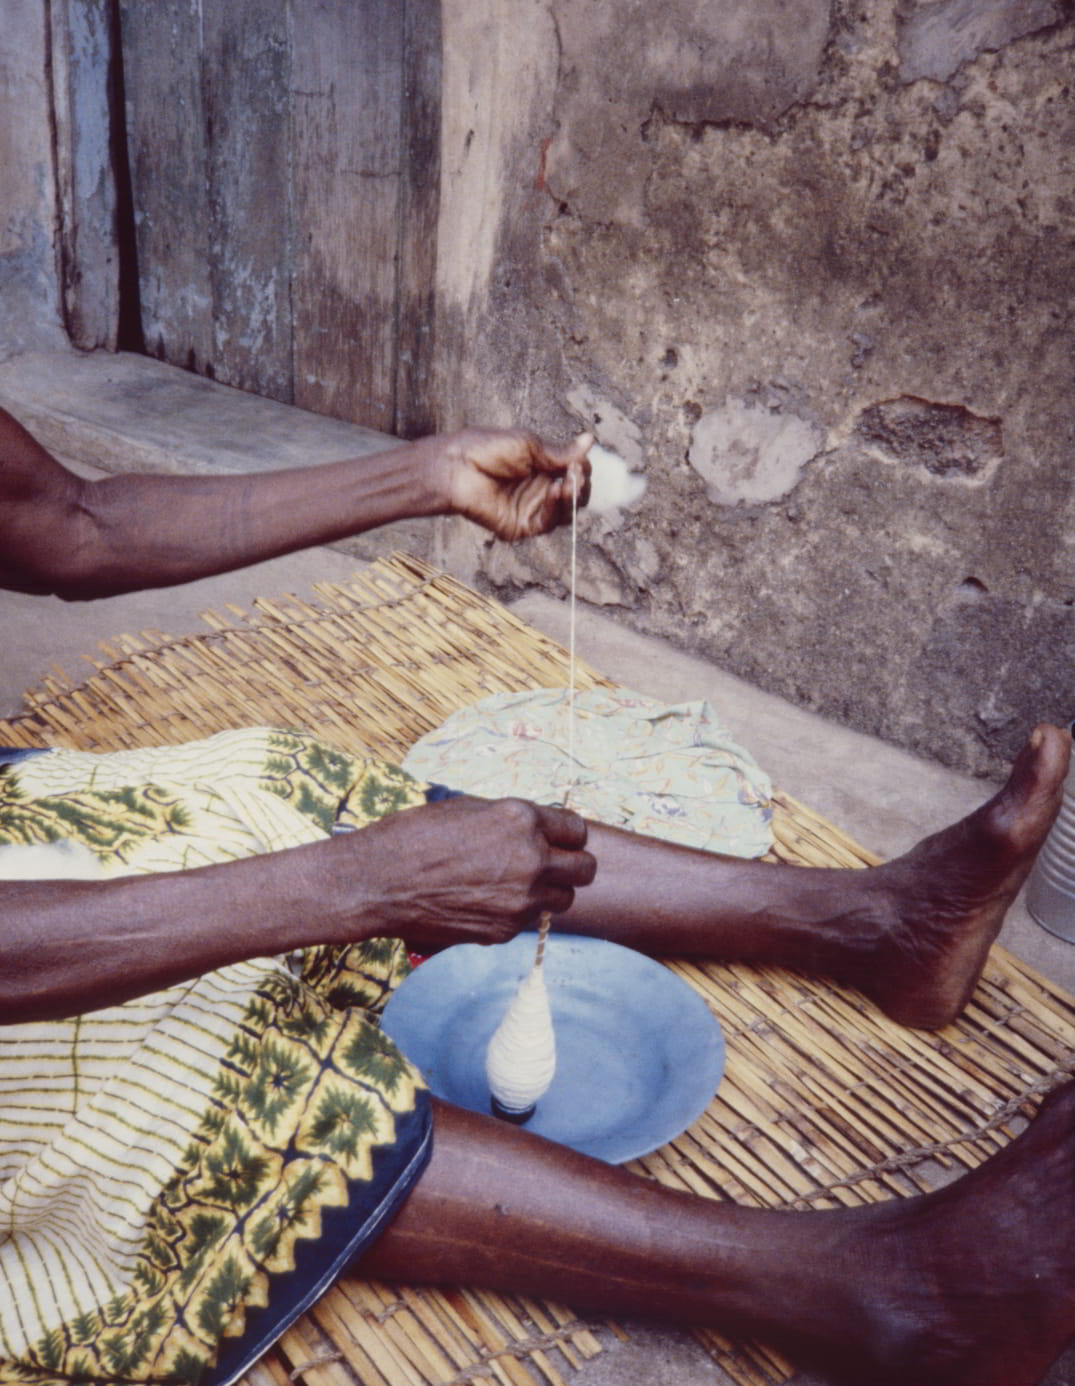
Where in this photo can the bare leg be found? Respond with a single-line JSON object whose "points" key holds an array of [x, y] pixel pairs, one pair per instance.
{"points": [[970, 1286], [913, 933]]}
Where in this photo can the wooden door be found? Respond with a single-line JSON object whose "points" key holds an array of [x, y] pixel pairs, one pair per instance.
{"points": [[284, 165]]}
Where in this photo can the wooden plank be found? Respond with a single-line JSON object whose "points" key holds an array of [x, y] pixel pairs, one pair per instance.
{"points": [[416, 414], [347, 96], [86, 194], [285, 175], [162, 45], [246, 78]]}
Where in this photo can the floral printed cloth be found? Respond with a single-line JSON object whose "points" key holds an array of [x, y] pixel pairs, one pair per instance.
{"points": [[182, 1175], [671, 772]]}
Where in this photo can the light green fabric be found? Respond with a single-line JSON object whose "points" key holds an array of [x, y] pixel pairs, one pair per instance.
{"points": [[671, 772]]}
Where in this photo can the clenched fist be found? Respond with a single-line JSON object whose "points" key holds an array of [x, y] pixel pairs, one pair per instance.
{"points": [[464, 870]]}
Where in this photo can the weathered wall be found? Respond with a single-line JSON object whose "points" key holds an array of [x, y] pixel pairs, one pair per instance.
{"points": [[809, 263], [283, 158], [84, 126], [59, 262], [812, 267], [29, 297]]}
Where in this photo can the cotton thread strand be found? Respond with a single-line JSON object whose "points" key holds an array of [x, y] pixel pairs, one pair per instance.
{"points": [[543, 933], [571, 639], [546, 918]]}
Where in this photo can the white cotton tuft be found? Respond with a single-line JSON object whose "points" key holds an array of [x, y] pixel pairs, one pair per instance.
{"points": [[49, 861], [521, 1059], [612, 483]]}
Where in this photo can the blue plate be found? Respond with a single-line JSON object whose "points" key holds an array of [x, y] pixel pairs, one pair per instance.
{"points": [[639, 1054]]}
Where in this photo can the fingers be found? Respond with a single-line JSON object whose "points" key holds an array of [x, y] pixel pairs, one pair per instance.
{"points": [[562, 865], [513, 483], [573, 462], [558, 900], [571, 458], [539, 505], [570, 465], [562, 827], [543, 503], [568, 866], [570, 869]]}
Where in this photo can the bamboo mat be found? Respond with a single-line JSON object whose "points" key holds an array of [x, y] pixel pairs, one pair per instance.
{"points": [[824, 1102]]}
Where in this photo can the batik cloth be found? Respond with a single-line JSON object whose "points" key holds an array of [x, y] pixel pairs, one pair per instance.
{"points": [[182, 1175]]}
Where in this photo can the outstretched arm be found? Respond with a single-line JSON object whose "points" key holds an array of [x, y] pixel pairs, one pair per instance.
{"points": [[462, 871], [84, 539]]}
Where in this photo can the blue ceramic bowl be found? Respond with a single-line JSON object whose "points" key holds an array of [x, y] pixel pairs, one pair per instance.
{"points": [[639, 1054]]}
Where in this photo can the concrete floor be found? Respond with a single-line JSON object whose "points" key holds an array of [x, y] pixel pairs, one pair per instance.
{"points": [[884, 797]]}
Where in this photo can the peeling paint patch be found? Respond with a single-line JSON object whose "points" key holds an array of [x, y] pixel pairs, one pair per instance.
{"points": [[749, 455], [939, 36], [947, 440]]}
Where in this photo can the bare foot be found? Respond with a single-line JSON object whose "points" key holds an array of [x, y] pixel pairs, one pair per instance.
{"points": [[973, 1285], [949, 895]]}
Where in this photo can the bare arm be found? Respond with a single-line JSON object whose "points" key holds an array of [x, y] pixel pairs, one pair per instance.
{"points": [[429, 876], [83, 539], [465, 870]]}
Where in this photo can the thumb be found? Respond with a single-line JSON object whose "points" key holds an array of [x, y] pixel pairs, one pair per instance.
{"points": [[572, 456]]}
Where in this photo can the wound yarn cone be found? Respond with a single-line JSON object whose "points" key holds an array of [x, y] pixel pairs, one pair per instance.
{"points": [[521, 1059]]}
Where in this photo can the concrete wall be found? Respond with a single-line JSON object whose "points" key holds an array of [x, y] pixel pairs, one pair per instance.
{"points": [[810, 265]]}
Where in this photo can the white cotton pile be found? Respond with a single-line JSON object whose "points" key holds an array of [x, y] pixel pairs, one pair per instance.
{"points": [[612, 483], [49, 861]]}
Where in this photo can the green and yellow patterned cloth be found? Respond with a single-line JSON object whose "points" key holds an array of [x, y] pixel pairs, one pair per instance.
{"points": [[182, 1175]]}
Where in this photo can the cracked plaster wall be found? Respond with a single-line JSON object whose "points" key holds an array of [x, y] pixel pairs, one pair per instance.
{"points": [[811, 266]]}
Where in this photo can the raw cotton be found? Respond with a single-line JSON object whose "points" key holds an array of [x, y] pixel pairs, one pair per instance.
{"points": [[612, 483]]}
